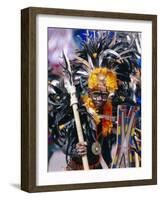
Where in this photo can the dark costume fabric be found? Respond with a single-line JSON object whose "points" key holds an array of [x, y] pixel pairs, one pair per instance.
{"points": [[67, 139]]}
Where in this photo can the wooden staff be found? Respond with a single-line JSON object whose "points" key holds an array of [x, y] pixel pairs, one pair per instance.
{"points": [[74, 103]]}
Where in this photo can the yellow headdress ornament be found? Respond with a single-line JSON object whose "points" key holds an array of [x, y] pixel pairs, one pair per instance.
{"points": [[102, 75]]}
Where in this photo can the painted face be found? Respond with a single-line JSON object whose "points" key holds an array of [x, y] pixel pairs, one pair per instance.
{"points": [[99, 98]]}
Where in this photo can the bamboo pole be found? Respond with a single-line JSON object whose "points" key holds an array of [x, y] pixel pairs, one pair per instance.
{"points": [[80, 134], [74, 103]]}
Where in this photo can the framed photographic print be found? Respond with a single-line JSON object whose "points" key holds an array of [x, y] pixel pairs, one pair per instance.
{"points": [[88, 99]]}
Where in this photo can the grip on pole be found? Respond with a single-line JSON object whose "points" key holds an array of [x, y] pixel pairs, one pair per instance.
{"points": [[80, 134]]}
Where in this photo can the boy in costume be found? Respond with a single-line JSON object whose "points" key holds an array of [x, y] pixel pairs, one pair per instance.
{"points": [[101, 78]]}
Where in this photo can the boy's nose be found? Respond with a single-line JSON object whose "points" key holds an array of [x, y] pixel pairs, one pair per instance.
{"points": [[99, 97]]}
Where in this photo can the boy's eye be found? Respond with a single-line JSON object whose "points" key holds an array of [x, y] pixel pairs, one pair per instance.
{"points": [[104, 96], [96, 95]]}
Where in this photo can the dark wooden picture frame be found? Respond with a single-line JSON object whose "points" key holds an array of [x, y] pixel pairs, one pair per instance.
{"points": [[28, 98]]}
